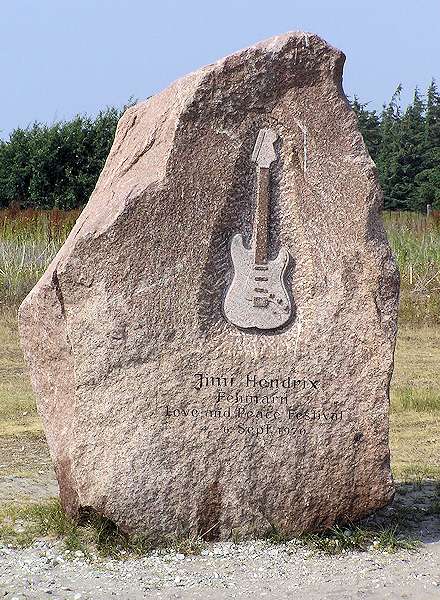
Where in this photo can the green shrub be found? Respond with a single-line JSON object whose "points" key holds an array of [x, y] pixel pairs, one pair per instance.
{"points": [[56, 166]]}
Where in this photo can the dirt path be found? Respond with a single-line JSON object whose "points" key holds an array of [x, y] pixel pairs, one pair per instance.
{"points": [[26, 473]]}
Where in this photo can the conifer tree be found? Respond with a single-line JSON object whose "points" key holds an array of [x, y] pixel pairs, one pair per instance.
{"points": [[387, 156], [427, 181], [369, 124], [409, 159]]}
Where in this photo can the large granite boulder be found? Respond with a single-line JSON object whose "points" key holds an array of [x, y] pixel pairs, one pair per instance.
{"points": [[162, 414]]}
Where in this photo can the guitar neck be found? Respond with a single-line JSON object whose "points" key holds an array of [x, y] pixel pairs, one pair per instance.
{"points": [[261, 221]]}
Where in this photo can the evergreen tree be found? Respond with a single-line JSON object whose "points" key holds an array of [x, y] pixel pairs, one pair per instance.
{"points": [[369, 125], [409, 159], [432, 126], [387, 155], [427, 181], [58, 165]]}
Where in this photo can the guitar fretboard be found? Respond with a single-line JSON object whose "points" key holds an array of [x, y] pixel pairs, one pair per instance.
{"points": [[261, 220]]}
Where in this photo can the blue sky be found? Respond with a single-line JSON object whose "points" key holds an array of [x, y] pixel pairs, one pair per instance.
{"points": [[63, 57]]}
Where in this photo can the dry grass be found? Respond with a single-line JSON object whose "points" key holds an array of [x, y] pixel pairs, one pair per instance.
{"points": [[18, 414], [29, 239], [415, 241], [415, 404], [23, 451]]}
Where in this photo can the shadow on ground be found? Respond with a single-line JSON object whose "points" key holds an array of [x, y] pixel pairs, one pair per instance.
{"points": [[415, 511]]}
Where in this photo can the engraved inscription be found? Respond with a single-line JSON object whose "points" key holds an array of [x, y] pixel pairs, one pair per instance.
{"points": [[268, 407]]}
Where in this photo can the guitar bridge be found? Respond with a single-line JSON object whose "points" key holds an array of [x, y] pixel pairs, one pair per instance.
{"points": [[261, 302]]}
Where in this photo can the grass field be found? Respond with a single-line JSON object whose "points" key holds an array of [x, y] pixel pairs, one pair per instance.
{"points": [[29, 240], [415, 241], [415, 404]]}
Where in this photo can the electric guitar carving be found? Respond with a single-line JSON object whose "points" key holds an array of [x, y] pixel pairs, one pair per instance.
{"points": [[257, 297]]}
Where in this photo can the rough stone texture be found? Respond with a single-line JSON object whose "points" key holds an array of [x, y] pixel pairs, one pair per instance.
{"points": [[131, 309]]}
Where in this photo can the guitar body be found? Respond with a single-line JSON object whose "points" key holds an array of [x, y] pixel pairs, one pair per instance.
{"points": [[257, 297]]}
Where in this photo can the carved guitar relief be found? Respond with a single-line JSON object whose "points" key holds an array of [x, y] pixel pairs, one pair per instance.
{"points": [[257, 297]]}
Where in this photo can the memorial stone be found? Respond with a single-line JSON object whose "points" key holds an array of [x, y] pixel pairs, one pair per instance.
{"points": [[212, 347]]}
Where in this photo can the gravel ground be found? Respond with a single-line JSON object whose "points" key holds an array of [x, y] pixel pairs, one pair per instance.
{"points": [[224, 570]]}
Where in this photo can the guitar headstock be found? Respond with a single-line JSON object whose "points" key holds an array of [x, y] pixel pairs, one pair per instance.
{"points": [[264, 150]]}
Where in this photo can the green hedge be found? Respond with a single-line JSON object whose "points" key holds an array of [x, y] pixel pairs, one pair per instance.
{"points": [[55, 166]]}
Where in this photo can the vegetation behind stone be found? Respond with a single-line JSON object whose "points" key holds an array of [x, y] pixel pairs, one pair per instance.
{"points": [[30, 238]]}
